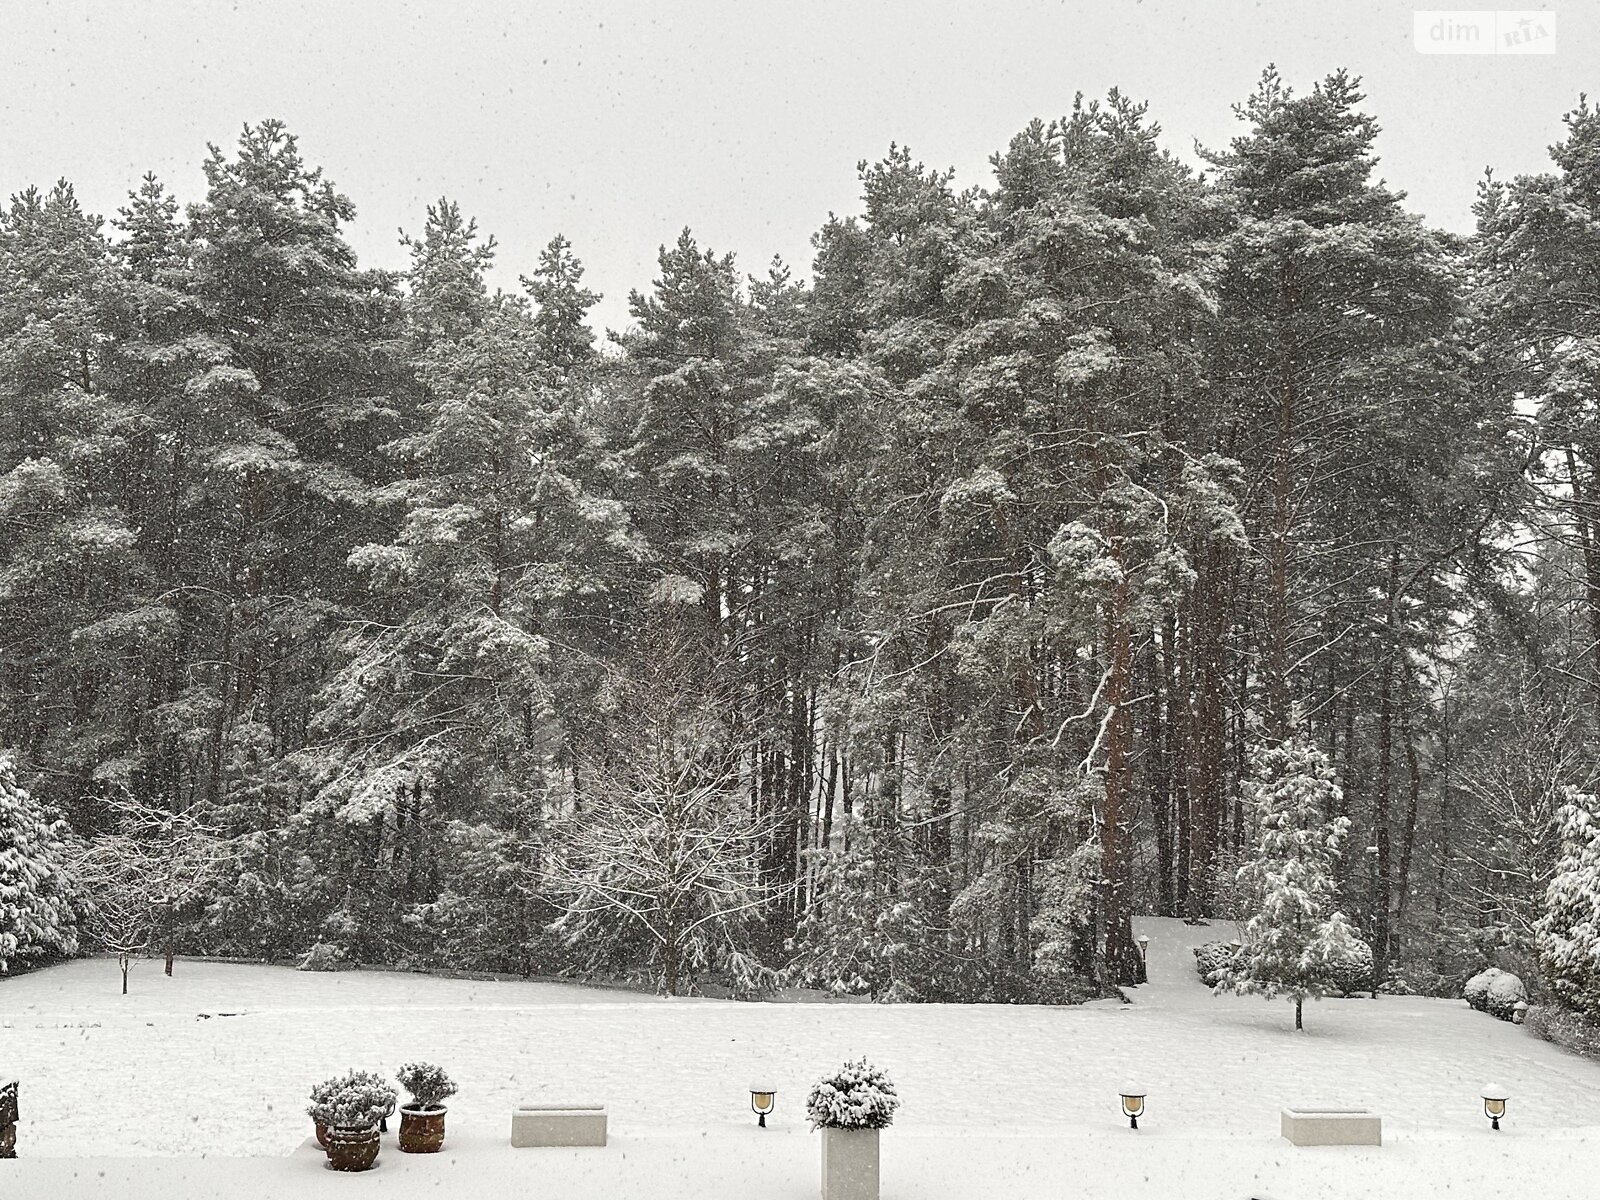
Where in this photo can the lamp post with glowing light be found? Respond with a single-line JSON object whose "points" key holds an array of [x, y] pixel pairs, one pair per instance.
{"points": [[1494, 1104], [1132, 1105], [762, 1102]]}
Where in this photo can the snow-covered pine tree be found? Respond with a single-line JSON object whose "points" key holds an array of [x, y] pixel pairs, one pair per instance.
{"points": [[1567, 935], [1295, 938], [37, 915]]}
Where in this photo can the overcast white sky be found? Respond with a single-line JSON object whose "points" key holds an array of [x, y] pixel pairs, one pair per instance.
{"points": [[619, 123]]}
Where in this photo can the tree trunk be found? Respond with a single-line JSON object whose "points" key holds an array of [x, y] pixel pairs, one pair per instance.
{"points": [[1160, 772], [1120, 955], [1591, 567], [1278, 699], [1383, 891]]}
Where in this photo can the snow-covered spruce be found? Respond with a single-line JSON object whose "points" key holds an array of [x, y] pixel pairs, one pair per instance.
{"points": [[428, 1086], [354, 1100], [1567, 936], [1294, 942], [856, 1096], [37, 914]]}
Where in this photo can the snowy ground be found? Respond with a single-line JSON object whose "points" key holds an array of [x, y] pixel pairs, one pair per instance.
{"points": [[1007, 1101]]}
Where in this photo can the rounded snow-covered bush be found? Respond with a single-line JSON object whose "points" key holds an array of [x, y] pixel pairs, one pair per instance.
{"points": [[428, 1085], [856, 1096], [354, 1100], [1504, 993], [324, 956], [1352, 971], [1476, 990], [1213, 960]]}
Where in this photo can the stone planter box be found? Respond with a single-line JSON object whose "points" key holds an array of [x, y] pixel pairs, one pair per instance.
{"points": [[850, 1164], [559, 1125], [1332, 1127]]}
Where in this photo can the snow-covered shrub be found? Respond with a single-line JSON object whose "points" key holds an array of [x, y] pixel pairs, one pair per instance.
{"points": [[427, 1084], [1504, 993], [1567, 935], [1400, 983], [1212, 960], [856, 1096], [354, 1100], [323, 956], [1476, 991], [1565, 1028], [1352, 971]]}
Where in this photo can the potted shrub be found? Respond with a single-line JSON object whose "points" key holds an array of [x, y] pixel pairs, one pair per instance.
{"points": [[348, 1108], [850, 1107], [422, 1121], [321, 1095]]}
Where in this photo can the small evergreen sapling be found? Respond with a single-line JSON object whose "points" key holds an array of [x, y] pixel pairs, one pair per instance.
{"points": [[1295, 943], [427, 1084], [856, 1096]]}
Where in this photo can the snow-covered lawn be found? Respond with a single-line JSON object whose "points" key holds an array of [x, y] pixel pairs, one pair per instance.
{"points": [[1006, 1101]]}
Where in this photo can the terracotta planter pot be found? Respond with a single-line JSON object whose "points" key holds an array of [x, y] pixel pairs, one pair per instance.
{"points": [[352, 1149], [322, 1135], [422, 1130]]}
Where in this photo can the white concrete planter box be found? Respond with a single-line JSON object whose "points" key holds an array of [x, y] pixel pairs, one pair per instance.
{"points": [[1332, 1127], [559, 1125], [850, 1164]]}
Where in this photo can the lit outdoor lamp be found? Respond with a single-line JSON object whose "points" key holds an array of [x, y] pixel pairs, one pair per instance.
{"points": [[1494, 1104], [1132, 1106], [762, 1101]]}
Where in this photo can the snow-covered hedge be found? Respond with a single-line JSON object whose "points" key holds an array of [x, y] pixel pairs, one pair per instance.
{"points": [[1476, 990], [323, 956], [1504, 994], [1495, 992], [1352, 972], [856, 1096], [1212, 960], [428, 1085], [1565, 1028]]}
